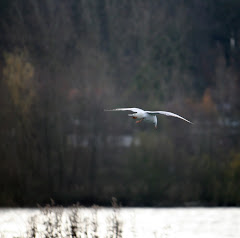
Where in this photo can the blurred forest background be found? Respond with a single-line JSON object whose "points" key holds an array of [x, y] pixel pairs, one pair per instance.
{"points": [[62, 62]]}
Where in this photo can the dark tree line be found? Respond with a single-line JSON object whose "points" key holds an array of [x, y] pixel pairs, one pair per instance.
{"points": [[63, 62]]}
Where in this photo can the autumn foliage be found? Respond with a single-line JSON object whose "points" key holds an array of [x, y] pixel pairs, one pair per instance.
{"points": [[63, 62]]}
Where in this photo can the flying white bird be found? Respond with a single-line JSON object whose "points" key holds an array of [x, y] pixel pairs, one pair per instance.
{"points": [[149, 116]]}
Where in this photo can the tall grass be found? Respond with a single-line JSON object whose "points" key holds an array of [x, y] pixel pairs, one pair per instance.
{"points": [[57, 222]]}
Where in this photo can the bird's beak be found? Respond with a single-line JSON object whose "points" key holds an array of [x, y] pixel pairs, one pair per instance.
{"points": [[156, 127]]}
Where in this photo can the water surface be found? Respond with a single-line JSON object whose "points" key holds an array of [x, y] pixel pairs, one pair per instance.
{"points": [[142, 222]]}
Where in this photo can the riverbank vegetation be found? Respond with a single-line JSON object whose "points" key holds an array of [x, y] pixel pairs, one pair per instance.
{"points": [[74, 222]]}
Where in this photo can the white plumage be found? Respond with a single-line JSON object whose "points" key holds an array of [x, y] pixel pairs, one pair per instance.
{"points": [[149, 116]]}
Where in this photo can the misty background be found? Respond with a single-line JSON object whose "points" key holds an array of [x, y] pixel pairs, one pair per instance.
{"points": [[62, 62]]}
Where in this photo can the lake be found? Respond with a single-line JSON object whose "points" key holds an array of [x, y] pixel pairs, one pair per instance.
{"points": [[136, 222]]}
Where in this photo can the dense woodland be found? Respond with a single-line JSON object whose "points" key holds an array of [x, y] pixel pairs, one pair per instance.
{"points": [[62, 62]]}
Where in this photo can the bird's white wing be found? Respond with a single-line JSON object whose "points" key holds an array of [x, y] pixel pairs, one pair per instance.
{"points": [[133, 109], [167, 114]]}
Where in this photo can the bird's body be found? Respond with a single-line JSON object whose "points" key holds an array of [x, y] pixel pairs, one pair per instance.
{"points": [[149, 116]]}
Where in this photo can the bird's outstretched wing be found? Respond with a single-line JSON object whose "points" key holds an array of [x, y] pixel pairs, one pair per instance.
{"points": [[170, 114], [133, 109]]}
